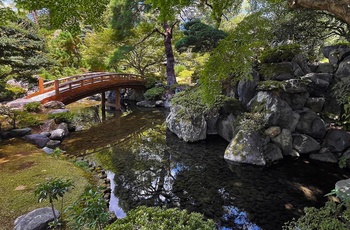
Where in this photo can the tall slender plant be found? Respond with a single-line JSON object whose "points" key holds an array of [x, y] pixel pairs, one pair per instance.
{"points": [[52, 190]]}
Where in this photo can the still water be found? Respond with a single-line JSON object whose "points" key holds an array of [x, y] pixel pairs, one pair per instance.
{"points": [[151, 166]]}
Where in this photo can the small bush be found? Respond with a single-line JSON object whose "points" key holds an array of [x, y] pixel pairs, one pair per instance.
{"points": [[154, 218], [62, 117], [32, 107], [280, 53], [154, 93]]}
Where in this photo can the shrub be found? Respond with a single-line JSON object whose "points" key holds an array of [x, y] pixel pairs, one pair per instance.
{"points": [[280, 53], [62, 117], [154, 93], [154, 218], [251, 121], [32, 107], [89, 210]]}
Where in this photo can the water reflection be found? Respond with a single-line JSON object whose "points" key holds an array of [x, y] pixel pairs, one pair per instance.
{"points": [[153, 167]]}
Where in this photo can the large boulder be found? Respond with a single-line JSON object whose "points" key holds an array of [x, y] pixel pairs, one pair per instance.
{"points": [[190, 129], [311, 124], [277, 111], [305, 144], [302, 63], [246, 147], [337, 140], [246, 88], [335, 53], [36, 139], [15, 133], [37, 219]]}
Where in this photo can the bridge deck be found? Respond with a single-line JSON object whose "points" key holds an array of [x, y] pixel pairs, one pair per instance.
{"points": [[76, 87]]}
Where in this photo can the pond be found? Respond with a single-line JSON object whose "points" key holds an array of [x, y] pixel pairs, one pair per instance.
{"points": [[151, 166]]}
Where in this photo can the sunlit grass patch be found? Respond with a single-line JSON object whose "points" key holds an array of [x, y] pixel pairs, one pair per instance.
{"points": [[22, 168]]}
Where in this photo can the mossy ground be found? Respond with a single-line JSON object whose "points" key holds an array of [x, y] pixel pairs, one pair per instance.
{"points": [[22, 168]]}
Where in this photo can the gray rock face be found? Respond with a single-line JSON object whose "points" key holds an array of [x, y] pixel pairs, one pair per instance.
{"points": [[315, 104], [305, 144], [37, 219], [343, 70], [246, 88], [284, 141], [337, 140], [191, 129], [54, 105], [58, 134], [278, 112], [324, 157], [15, 133], [36, 139], [225, 127], [311, 124], [272, 153], [246, 147]]}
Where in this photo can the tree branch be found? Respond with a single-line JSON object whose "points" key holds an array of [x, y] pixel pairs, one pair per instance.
{"points": [[149, 35]]}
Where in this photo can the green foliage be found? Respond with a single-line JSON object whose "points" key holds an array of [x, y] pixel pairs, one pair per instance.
{"points": [[280, 53], [199, 37], [332, 216], [69, 15], [341, 91], [154, 218], [89, 211], [52, 190], [62, 117], [22, 50], [14, 91], [17, 118], [65, 49], [251, 121], [235, 55], [190, 102], [32, 106], [98, 47], [154, 93]]}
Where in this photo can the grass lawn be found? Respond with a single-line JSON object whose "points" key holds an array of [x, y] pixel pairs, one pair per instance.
{"points": [[22, 168]]}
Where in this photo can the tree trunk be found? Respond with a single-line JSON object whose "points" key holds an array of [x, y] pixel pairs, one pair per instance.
{"points": [[340, 8], [170, 60]]}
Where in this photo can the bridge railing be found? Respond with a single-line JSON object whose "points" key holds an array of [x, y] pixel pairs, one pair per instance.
{"points": [[76, 81]]}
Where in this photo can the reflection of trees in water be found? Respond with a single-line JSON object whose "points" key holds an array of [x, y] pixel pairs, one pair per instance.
{"points": [[155, 169], [142, 166]]}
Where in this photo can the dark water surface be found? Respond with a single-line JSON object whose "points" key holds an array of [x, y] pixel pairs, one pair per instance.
{"points": [[153, 167]]}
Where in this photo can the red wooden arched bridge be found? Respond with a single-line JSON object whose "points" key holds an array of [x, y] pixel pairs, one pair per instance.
{"points": [[71, 89]]}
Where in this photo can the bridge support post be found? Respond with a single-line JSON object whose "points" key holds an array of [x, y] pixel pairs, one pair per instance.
{"points": [[103, 105], [57, 87], [117, 99], [41, 85]]}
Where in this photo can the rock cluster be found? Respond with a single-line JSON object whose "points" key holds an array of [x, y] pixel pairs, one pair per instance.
{"points": [[293, 101]]}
